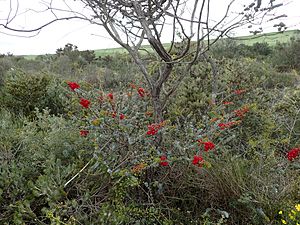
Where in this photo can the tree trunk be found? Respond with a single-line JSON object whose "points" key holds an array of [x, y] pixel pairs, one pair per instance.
{"points": [[157, 107]]}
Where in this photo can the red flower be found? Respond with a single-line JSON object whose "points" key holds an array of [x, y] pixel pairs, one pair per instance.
{"points": [[241, 112], [122, 116], [153, 129], [85, 103], [208, 146], [110, 96], [222, 126], [228, 103], [84, 133], [141, 92], [163, 158], [163, 161], [293, 153], [73, 85], [228, 125], [240, 91], [198, 161]]}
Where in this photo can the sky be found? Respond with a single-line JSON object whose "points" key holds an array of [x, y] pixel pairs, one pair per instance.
{"points": [[85, 35]]}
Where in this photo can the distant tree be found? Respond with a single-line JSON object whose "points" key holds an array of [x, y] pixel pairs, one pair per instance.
{"points": [[81, 58], [286, 56]]}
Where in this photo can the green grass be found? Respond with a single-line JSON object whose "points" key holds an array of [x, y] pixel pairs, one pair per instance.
{"points": [[109, 51], [270, 38]]}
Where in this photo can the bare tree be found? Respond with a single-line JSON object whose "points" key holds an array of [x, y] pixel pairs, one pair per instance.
{"points": [[132, 23]]}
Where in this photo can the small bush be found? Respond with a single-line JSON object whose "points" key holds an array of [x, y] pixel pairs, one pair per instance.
{"points": [[23, 92]]}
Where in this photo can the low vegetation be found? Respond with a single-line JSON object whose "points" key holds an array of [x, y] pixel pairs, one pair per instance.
{"points": [[78, 140]]}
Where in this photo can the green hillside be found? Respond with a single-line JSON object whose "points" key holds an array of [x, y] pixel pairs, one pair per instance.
{"points": [[270, 38]]}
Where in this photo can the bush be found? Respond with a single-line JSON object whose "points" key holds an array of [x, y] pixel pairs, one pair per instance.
{"points": [[286, 56], [23, 92], [5, 65], [230, 49]]}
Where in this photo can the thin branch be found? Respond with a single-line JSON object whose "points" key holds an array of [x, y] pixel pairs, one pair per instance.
{"points": [[42, 26], [85, 166]]}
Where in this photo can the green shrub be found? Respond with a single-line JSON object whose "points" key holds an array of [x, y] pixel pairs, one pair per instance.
{"points": [[45, 154], [5, 65], [286, 56], [23, 92]]}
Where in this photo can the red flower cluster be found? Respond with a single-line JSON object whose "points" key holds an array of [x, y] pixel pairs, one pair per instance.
{"points": [[293, 153], [84, 133], [241, 112], [228, 124], [85, 103], [198, 161], [73, 85], [122, 116], [240, 91], [154, 128], [141, 92], [163, 161], [110, 96], [114, 115], [228, 103], [208, 145]]}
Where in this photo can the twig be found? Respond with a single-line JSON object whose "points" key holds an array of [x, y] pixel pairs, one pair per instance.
{"points": [[85, 166]]}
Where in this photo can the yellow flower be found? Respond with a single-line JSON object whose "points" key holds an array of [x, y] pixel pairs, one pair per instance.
{"points": [[283, 221], [297, 207], [291, 216], [280, 212]]}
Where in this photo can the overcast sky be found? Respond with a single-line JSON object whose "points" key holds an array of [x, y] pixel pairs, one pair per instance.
{"points": [[83, 34]]}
